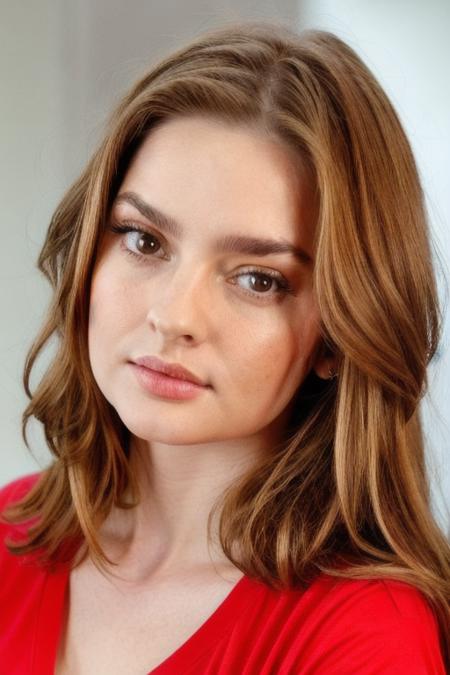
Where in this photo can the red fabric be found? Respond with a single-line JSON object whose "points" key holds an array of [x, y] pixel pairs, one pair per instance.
{"points": [[336, 627]]}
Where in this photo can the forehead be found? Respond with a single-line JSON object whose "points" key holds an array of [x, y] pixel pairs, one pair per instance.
{"points": [[210, 174]]}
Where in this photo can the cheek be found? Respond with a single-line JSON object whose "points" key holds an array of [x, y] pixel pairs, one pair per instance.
{"points": [[263, 356], [109, 309], [276, 352], [99, 306], [109, 303]]}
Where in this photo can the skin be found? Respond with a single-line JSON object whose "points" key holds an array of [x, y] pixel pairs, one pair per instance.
{"points": [[185, 303]]}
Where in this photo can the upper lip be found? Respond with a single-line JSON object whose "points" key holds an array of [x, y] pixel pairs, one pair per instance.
{"points": [[171, 369]]}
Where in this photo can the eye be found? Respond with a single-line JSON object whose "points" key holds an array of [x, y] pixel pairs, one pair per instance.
{"points": [[265, 284], [143, 242], [137, 241]]}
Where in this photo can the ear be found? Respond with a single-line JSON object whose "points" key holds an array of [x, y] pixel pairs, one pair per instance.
{"points": [[325, 362]]}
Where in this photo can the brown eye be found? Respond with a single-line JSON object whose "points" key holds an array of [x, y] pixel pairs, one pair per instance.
{"points": [[261, 283], [138, 242], [143, 242]]}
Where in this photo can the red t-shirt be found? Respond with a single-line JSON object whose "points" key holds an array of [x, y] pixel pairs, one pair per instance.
{"points": [[335, 627]]}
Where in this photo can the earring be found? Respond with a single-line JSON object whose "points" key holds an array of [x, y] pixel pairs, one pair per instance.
{"points": [[332, 373]]}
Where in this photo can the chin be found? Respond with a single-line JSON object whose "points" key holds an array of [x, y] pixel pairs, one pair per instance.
{"points": [[150, 428]]}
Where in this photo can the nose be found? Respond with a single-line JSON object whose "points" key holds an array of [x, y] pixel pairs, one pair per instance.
{"points": [[180, 303]]}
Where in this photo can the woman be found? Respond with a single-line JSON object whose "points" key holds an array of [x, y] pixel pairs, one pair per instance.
{"points": [[245, 308]]}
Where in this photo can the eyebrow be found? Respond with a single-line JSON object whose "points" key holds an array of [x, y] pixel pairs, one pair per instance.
{"points": [[229, 243]]}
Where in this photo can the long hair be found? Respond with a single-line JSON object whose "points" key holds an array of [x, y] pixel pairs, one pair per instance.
{"points": [[346, 493]]}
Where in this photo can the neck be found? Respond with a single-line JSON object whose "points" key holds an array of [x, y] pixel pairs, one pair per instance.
{"points": [[178, 486]]}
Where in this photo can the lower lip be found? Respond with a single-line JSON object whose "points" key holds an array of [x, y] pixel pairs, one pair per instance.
{"points": [[163, 385]]}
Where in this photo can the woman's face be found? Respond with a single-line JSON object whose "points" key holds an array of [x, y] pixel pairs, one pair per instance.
{"points": [[243, 321]]}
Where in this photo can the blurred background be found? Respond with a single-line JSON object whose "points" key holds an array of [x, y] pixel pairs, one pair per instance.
{"points": [[64, 64]]}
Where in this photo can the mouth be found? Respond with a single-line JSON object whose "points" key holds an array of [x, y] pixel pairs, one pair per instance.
{"points": [[166, 386], [171, 370]]}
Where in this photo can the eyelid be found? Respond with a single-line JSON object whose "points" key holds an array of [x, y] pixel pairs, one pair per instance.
{"points": [[278, 277], [140, 227], [124, 225], [124, 228]]}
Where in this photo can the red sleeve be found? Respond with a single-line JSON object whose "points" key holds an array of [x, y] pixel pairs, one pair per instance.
{"points": [[376, 627]]}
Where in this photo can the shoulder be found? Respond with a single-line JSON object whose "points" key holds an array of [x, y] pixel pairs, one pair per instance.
{"points": [[16, 489], [21, 580], [381, 597], [376, 625], [10, 493]]}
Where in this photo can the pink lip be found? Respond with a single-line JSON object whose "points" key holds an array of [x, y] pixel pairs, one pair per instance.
{"points": [[174, 370], [166, 386]]}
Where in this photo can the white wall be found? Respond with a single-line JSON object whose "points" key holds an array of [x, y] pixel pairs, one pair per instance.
{"points": [[406, 45], [32, 176]]}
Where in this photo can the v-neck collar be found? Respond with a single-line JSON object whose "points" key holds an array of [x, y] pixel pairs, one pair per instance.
{"points": [[50, 622], [214, 627]]}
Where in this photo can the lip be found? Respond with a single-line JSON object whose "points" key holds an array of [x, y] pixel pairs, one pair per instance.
{"points": [[174, 370]]}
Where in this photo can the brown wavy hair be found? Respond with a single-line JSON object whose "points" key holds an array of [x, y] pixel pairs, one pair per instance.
{"points": [[346, 492]]}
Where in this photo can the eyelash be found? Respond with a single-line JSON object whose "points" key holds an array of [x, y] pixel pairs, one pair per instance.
{"points": [[284, 287]]}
